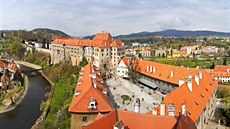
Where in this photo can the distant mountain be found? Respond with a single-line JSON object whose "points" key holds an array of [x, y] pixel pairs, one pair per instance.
{"points": [[49, 32], [182, 33], [172, 32], [137, 35]]}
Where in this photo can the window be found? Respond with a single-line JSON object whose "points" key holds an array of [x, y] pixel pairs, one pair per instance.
{"points": [[85, 119]]}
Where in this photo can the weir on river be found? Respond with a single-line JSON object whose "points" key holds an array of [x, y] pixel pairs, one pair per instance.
{"points": [[28, 111]]}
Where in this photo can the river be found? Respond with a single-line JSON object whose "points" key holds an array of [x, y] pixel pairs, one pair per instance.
{"points": [[28, 111]]}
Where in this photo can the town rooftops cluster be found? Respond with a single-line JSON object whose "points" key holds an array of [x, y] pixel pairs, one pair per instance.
{"points": [[181, 108], [100, 40], [196, 89], [90, 93]]}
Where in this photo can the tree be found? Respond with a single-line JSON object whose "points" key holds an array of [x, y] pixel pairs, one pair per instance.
{"points": [[225, 61], [212, 66], [84, 62], [133, 68], [139, 55]]}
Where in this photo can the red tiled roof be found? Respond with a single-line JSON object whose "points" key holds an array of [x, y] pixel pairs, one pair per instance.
{"points": [[163, 71], [2, 64], [86, 90], [117, 43], [221, 68], [222, 74], [103, 36], [195, 101], [134, 120], [126, 60], [105, 122], [100, 40]]}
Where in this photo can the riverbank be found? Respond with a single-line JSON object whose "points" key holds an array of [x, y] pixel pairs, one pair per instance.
{"points": [[41, 118], [19, 99]]}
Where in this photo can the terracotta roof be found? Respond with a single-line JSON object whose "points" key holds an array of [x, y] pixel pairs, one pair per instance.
{"points": [[2, 64], [85, 90], [12, 66], [196, 100], [222, 74], [103, 36], [163, 71], [221, 68], [105, 122], [117, 43], [100, 40], [180, 53], [134, 120], [126, 60]]}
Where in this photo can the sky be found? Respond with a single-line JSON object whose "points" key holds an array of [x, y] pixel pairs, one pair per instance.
{"points": [[87, 17]]}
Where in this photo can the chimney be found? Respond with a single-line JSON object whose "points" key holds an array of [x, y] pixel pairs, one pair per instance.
{"points": [[197, 80], [151, 69], [92, 70], [184, 109], [190, 76], [200, 74], [181, 81], [189, 83], [162, 107], [154, 69], [147, 70], [171, 74], [154, 112], [94, 84]]}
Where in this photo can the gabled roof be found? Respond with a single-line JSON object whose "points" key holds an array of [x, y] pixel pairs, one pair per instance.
{"points": [[86, 90], [126, 60], [163, 71]]}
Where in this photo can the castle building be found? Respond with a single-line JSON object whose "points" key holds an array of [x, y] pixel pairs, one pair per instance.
{"points": [[101, 50]]}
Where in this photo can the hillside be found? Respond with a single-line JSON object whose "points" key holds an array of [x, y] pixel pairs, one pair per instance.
{"points": [[172, 32], [181, 33], [36, 34], [49, 32]]}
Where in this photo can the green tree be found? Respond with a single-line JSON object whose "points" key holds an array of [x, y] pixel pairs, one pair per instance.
{"points": [[84, 62], [225, 61], [212, 66]]}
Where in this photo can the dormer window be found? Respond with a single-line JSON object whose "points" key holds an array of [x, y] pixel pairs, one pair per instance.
{"points": [[92, 104], [171, 109]]}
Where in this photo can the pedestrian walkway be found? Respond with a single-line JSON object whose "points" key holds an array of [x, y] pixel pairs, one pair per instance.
{"points": [[122, 86]]}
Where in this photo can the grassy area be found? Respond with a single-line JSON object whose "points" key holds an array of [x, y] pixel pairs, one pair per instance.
{"points": [[205, 64], [58, 116]]}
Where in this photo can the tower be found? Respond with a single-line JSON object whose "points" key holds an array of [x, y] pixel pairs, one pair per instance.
{"points": [[137, 105]]}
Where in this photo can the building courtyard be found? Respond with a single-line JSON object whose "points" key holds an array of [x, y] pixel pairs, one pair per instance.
{"points": [[118, 87]]}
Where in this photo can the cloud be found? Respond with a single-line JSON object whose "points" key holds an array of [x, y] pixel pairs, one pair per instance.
{"points": [[84, 17]]}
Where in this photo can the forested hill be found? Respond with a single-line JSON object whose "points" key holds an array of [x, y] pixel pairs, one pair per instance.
{"points": [[35, 34]]}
